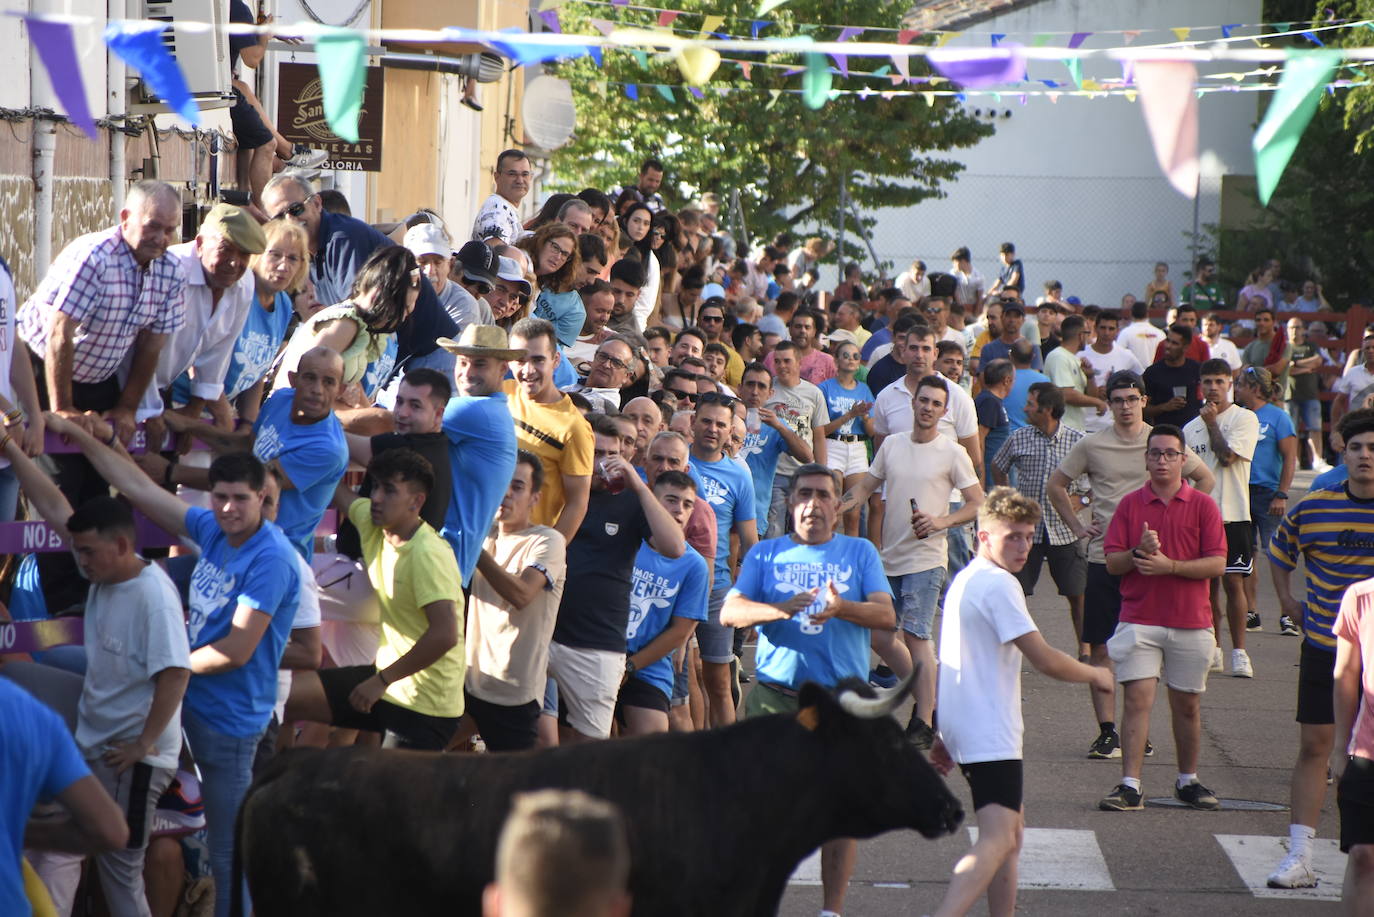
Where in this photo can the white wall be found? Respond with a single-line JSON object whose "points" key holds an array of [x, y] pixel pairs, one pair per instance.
{"points": [[1075, 184], [16, 51]]}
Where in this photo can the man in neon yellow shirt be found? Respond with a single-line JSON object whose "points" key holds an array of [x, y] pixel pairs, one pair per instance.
{"points": [[413, 695]]}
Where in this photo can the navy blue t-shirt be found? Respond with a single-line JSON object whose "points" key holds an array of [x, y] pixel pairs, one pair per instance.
{"points": [[345, 243]]}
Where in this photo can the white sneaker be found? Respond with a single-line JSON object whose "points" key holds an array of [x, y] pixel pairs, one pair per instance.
{"points": [[1293, 872], [1217, 664], [1240, 664], [1320, 466]]}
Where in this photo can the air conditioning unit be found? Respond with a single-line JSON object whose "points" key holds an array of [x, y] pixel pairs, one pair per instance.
{"points": [[203, 56]]}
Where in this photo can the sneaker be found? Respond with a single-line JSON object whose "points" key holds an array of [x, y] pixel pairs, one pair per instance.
{"points": [[882, 677], [1149, 749], [1217, 664], [1288, 627], [303, 157], [1240, 664], [1320, 466], [919, 733], [1106, 745], [1121, 799], [1293, 872], [1252, 621], [1197, 796]]}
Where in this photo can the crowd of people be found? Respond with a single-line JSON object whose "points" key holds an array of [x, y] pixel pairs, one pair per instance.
{"points": [[537, 481]]}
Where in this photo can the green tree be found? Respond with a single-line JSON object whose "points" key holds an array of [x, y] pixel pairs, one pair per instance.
{"points": [[786, 160], [1317, 223]]}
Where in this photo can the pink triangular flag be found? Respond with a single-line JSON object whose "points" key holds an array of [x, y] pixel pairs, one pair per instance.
{"points": [[1170, 107], [666, 17], [747, 68], [604, 26], [1130, 35], [906, 36], [903, 64]]}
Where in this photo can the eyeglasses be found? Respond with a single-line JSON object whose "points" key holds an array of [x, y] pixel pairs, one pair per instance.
{"points": [[681, 395], [563, 254], [1169, 455], [1128, 401], [604, 357], [717, 398]]}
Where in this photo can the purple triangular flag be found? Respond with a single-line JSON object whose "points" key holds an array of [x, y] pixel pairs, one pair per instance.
{"points": [[1078, 39], [550, 18], [57, 50]]}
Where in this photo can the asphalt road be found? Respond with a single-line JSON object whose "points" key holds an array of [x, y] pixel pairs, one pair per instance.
{"points": [[1162, 860]]}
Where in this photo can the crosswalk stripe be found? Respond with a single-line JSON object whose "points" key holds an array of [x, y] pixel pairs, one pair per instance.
{"points": [[1061, 858], [1254, 856]]}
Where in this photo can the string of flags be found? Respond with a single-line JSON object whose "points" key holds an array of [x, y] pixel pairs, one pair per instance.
{"points": [[1164, 78]]}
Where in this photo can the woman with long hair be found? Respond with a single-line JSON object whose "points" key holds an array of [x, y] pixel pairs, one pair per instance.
{"points": [[549, 212], [553, 251], [362, 329], [636, 226]]}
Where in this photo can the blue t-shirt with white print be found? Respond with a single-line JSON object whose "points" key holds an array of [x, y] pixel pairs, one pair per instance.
{"points": [[662, 589]]}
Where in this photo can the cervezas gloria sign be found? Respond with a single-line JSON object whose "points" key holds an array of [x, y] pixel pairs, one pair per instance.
{"points": [[300, 118]]}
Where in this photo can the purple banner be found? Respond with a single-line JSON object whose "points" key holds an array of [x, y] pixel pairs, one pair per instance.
{"points": [[36, 636], [37, 537]]}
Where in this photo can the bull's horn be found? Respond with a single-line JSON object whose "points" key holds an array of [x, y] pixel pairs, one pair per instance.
{"points": [[871, 708]]}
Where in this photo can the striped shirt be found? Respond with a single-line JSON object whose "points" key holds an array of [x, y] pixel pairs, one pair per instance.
{"points": [[1335, 532], [98, 284], [1034, 455]]}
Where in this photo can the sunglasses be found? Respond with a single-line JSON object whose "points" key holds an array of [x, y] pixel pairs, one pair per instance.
{"points": [[684, 396], [292, 210], [716, 398]]}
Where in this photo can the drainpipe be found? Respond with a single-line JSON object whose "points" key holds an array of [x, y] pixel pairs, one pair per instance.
{"points": [[41, 96], [116, 104]]}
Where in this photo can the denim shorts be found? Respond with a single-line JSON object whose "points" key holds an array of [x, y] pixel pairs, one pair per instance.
{"points": [[715, 641], [1265, 524], [1306, 415], [916, 596]]}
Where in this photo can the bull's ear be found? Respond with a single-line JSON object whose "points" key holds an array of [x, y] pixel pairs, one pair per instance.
{"points": [[814, 704]]}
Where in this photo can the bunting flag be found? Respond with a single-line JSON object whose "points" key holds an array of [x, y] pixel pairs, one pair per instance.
{"points": [[57, 50], [709, 24], [698, 64], [550, 18], [666, 17], [1226, 30], [515, 44], [995, 37], [1293, 106], [773, 94], [747, 68], [906, 36], [1075, 66], [1182, 33], [1078, 38], [767, 6], [604, 26], [842, 60], [977, 72], [1130, 36], [342, 61], [816, 82], [757, 26], [632, 91], [1170, 108], [667, 93], [140, 46]]}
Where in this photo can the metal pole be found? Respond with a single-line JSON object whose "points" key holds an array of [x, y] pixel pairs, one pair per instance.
{"points": [[844, 198]]}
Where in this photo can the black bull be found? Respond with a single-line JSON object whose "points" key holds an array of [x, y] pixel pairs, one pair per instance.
{"points": [[717, 820]]}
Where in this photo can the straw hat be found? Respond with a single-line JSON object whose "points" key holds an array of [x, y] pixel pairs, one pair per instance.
{"points": [[482, 341]]}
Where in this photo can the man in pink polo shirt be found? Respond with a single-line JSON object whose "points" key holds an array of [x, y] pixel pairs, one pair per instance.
{"points": [[1165, 541], [1352, 757]]}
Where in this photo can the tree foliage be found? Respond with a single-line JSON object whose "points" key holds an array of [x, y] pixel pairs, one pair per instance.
{"points": [[786, 160], [1317, 223]]}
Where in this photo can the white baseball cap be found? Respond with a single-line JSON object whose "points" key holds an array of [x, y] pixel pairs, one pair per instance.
{"points": [[427, 239]]}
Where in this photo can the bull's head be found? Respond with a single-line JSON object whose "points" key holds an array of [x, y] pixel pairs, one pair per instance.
{"points": [[886, 781]]}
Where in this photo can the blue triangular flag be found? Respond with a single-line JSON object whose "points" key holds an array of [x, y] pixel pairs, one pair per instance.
{"points": [[140, 46]]}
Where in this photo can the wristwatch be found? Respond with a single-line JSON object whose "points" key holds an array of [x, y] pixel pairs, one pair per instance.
{"points": [[630, 667]]}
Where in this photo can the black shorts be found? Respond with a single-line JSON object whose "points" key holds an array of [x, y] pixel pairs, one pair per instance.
{"points": [[1068, 567], [1355, 800], [1101, 605], [1240, 547], [636, 692], [504, 728], [249, 129], [400, 728], [994, 782], [1316, 679]]}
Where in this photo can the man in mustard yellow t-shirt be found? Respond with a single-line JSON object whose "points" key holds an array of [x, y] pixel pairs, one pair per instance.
{"points": [[548, 424], [413, 695]]}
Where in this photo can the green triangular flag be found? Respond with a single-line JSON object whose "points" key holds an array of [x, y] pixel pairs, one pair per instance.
{"points": [[1293, 105], [816, 81], [1075, 66], [343, 72], [666, 92]]}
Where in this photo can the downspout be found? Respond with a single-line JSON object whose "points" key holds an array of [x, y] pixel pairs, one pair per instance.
{"points": [[116, 104], [42, 97]]}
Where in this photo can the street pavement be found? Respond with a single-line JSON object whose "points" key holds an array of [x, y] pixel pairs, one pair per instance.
{"points": [[1162, 860]]}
